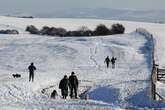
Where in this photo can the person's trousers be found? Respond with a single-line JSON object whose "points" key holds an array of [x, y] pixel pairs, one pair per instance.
{"points": [[107, 65], [75, 92], [31, 77], [64, 93], [113, 65]]}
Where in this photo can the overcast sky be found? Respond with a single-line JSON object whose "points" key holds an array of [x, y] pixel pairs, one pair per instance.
{"points": [[33, 6]]}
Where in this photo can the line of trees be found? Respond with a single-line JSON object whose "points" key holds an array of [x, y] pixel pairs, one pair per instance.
{"points": [[82, 31]]}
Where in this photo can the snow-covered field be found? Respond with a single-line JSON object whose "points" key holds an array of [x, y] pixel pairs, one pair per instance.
{"points": [[126, 86]]}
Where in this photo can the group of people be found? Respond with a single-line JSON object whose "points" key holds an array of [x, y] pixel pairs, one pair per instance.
{"points": [[32, 68], [65, 84], [112, 60], [70, 83]]}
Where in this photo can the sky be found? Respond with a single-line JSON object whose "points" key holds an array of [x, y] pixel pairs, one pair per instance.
{"points": [[44, 6]]}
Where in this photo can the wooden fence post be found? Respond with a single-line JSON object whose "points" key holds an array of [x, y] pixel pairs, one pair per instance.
{"points": [[153, 81], [154, 71]]}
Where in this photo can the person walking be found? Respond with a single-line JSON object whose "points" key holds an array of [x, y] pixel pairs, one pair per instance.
{"points": [[73, 85], [31, 68], [113, 60], [64, 85], [107, 61]]}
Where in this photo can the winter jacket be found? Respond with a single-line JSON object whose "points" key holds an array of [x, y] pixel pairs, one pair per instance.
{"points": [[64, 85], [113, 60], [73, 81], [31, 68], [107, 60]]}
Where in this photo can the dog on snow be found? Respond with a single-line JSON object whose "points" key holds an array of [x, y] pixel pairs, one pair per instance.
{"points": [[16, 75], [54, 94]]}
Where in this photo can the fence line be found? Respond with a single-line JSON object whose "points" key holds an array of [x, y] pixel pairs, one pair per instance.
{"points": [[154, 75], [154, 66]]}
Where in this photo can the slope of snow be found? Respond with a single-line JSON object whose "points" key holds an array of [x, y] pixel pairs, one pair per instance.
{"points": [[55, 57], [123, 87]]}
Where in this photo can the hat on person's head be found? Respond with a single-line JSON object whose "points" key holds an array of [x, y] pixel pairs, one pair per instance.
{"points": [[65, 76], [72, 73]]}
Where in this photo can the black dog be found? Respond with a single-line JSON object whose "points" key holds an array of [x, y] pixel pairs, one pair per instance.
{"points": [[54, 94], [16, 75]]}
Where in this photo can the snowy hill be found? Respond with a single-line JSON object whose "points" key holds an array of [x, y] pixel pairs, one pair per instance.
{"points": [[126, 86]]}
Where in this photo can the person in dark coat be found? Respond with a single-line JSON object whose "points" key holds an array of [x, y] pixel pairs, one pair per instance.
{"points": [[31, 72], [107, 61], [113, 60], [64, 85], [73, 84]]}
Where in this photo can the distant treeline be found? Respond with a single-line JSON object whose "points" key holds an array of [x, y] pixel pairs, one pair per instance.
{"points": [[82, 31]]}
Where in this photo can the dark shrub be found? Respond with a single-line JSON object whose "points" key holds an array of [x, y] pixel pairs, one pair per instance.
{"points": [[61, 31], [101, 30], [26, 17], [79, 33], [8, 31], [84, 31], [88, 33], [32, 29], [117, 29], [44, 30], [73, 33], [12, 31], [68, 33], [53, 31]]}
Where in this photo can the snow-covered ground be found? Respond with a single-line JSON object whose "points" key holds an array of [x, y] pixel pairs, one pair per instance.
{"points": [[126, 86]]}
